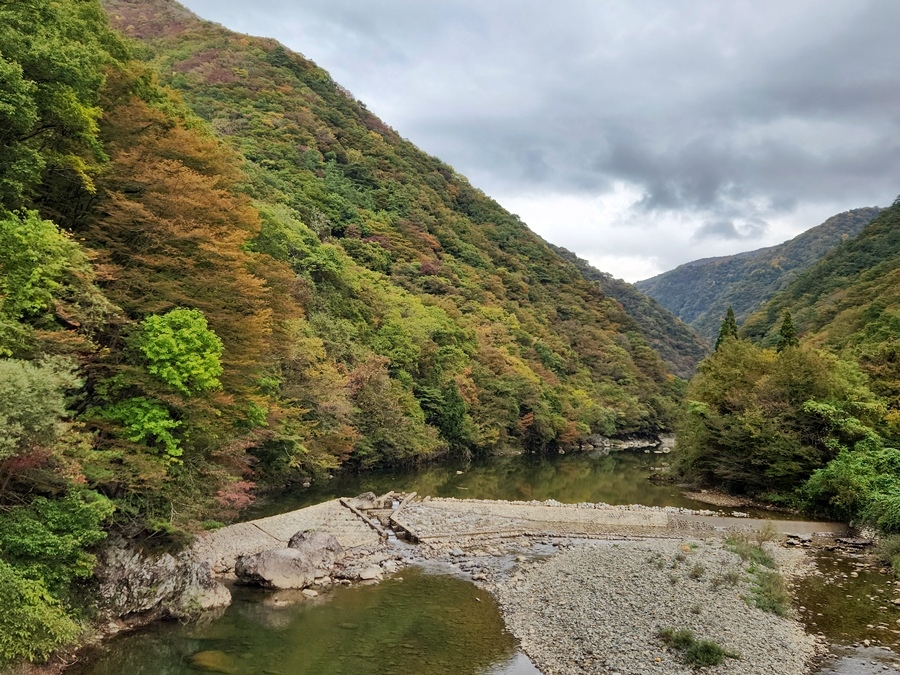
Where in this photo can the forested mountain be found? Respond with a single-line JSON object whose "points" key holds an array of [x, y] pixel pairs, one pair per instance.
{"points": [[676, 342], [849, 302], [803, 405], [700, 292], [218, 270]]}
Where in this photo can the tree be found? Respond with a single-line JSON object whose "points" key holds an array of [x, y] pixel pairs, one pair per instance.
{"points": [[787, 336], [52, 61], [727, 329], [182, 351]]}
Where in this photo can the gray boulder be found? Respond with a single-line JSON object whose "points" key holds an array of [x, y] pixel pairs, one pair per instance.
{"points": [[278, 568], [322, 550]]}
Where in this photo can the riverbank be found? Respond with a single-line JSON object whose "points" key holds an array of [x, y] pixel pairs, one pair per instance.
{"points": [[600, 607], [551, 566]]}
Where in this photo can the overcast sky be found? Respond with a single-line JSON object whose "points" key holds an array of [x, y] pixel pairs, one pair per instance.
{"points": [[640, 135]]}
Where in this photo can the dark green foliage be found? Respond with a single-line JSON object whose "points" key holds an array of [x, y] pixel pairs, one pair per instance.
{"points": [[699, 292], [787, 334], [728, 329], [47, 539], [696, 653], [760, 422], [861, 485]]}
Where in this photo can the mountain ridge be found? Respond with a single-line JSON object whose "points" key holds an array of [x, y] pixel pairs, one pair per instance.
{"points": [[699, 292]]}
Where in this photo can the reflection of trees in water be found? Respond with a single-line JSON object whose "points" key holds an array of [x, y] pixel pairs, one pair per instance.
{"points": [[617, 478], [425, 624]]}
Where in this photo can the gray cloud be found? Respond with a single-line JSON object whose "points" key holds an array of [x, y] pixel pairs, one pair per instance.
{"points": [[726, 229], [752, 111]]}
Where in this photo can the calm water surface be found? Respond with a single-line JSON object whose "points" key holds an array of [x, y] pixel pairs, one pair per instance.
{"points": [[619, 478], [412, 623]]}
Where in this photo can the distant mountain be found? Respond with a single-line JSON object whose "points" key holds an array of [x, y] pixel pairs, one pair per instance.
{"points": [[850, 299], [678, 344], [700, 292]]}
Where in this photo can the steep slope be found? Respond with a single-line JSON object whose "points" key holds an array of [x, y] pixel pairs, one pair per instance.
{"points": [[413, 285], [676, 342], [700, 292], [849, 301]]}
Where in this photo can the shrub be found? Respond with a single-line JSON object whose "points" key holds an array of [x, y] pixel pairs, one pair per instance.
{"points": [[32, 623], [696, 653]]}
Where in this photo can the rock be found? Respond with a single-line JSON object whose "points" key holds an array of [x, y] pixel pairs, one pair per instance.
{"points": [[310, 593], [373, 573], [322, 550], [132, 583], [278, 568], [855, 542], [213, 661]]}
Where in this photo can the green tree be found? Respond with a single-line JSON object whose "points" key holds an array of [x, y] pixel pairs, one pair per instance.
{"points": [[728, 329], [787, 336], [181, 350], [52, 61]]}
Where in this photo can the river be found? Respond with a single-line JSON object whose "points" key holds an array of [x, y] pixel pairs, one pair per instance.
{"points": [[429, 623]]}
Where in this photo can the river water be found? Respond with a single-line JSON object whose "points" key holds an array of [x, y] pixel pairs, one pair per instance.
{"points": [[435, 624]]}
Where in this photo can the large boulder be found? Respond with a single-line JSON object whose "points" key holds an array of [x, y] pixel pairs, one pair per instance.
{"points": [[278, 568], [322, 550]]}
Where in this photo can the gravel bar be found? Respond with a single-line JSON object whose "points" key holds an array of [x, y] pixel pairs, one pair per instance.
{"points": [[598, 608]]}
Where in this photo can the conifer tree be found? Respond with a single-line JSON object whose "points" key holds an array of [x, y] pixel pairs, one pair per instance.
{"points": [[727, 329], [787, 336]]}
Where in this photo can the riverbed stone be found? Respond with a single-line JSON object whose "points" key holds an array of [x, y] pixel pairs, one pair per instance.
{"points": [[278, 568], [322, 549], [213, 661]]}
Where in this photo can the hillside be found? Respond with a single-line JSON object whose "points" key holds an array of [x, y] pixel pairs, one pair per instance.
{"points": [[220, 272], [849, 302], [700, 292], [676, 342]]}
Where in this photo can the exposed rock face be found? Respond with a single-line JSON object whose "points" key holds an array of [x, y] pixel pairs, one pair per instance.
{"points": [[135, 583], [310, 555]]}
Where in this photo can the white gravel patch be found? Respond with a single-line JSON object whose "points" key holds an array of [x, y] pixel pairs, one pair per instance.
{"points": [[598, 608]]}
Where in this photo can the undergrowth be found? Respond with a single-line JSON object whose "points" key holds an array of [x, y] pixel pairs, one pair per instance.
{"points": [[694, 652]]}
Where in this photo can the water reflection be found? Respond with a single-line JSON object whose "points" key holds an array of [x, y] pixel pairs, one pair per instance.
{"points": [[429, 624], [619, 478]]}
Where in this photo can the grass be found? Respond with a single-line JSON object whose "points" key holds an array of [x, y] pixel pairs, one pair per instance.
{"points": [[752, 552], [696, 653], [696, 571], [888, 551], [770, 593]]}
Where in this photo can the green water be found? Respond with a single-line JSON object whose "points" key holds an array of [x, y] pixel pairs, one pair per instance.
{"points": [[843, 606], [413, 623], [619, 478]]}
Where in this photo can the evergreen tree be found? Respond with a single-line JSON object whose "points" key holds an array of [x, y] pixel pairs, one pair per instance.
{"points": [[787, 336], [727, 329]]}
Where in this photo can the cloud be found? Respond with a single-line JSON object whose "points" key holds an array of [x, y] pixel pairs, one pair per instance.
{"points": [[748, 112], [726, 229]]}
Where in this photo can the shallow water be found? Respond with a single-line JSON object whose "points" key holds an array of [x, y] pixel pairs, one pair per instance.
{"points": [[618, 478], [415, 622]]}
